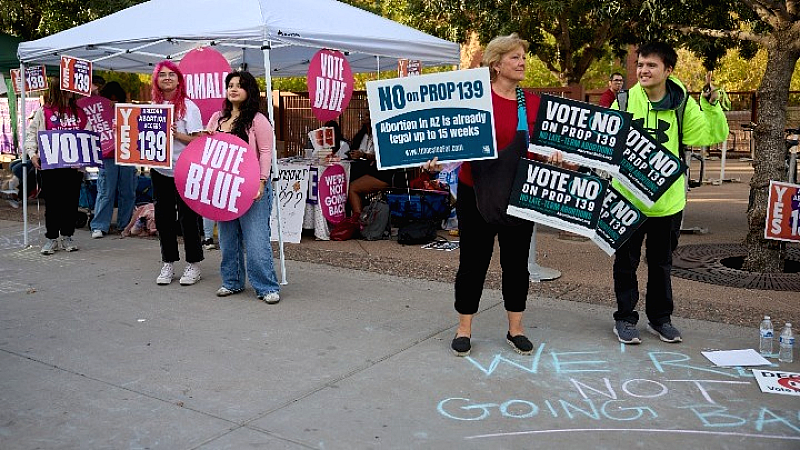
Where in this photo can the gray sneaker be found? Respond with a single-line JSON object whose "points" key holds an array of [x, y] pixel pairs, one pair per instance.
{"points": [[666, 332], [49, 247], [68, 244], [626, 332]]}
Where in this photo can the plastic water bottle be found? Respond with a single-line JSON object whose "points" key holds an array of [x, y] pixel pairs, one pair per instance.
{"points": [[767, 333], [786, 344]]}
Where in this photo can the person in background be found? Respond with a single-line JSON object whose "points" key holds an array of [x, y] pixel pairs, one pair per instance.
{"points": [[98, 83], [365, 178], [247, 238], [114, 182], [655, 102], [340, 145], [505, 58], [61, 186], [169, 88], [615, 84], [208, 234]]}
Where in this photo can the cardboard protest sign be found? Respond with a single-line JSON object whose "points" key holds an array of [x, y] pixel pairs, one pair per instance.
{"points": [[69, 148], [557, 197], [143, 135], [322, 140], [330, 84], [619, 218], [35, 79], [76, 75], [333, 193], [588, 135], [446, 115], [646, 167], [204, 70], [218, 176], [290, 197], [100, 114], [783, 212], [775, 382]]}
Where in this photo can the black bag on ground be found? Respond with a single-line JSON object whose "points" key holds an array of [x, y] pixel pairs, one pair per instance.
{"points": [[375, 221], [417, 232]]}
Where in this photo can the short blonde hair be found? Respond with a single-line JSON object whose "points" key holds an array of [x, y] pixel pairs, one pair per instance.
{"points": [[498, 47]]}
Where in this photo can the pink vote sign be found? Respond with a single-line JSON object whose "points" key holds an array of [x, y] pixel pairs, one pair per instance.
{"points": [[332, 190], [330, 84], [204, 70], [218, 176]]}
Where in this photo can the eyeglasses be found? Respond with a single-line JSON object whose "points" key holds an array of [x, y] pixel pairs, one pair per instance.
{"points": [[167, 75]]}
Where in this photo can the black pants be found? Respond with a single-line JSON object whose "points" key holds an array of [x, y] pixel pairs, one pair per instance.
{"points": [[167, 202], [475, 249], [62, 190], [661, 235]]}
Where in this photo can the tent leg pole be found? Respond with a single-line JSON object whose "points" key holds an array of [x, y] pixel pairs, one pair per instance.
{"points": [[24, 155], [275, 174]]}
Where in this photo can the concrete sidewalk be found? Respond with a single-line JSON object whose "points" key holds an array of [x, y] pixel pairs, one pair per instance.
{"points": [[94, 355]]}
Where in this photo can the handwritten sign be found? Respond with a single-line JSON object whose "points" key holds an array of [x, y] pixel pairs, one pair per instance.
{"points": [[76, 75], [333, 193], [783, 212], [204, 70], [69, 148], [291, 194], [646, 167], [143, 135], [330, 84], [218, 176], [100, 114], [618, 220], [35, 79], [588, 135], [446, 115], [557, 197]]}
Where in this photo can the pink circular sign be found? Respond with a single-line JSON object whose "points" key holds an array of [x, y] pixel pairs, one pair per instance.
{"points": [[330, 84], [218, 176], [204, 70], [332, 190]]}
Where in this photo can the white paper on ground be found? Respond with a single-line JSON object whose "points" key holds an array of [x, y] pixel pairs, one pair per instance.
{"points": [[736, 358]]}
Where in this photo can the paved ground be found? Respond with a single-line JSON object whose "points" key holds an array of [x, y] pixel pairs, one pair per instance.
{"points": [[94, 355]]}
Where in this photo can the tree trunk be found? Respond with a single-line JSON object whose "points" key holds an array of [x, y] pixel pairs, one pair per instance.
{"points": [[764, 255]]}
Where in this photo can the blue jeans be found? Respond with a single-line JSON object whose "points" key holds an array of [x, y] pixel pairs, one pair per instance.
{"points": [[114, 180], [249, 236], [208, 228]]}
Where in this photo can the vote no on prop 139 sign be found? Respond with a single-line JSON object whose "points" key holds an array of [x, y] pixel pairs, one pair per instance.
{"points": [[446, 115]]}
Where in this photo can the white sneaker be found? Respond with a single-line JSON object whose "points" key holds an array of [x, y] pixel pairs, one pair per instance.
{"points": [[270, 298], [191, 275], [68, 244], [49, 247], [97, 234], [167, 272]]}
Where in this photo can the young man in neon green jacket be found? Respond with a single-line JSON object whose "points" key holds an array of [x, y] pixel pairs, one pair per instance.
{"points": [[656, 102]]}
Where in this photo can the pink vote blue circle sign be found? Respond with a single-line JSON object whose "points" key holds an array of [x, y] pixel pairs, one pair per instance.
{"points": [[332, 189], [330, 84], [218, 176]]}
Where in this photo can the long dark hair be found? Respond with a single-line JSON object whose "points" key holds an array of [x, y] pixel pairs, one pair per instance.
{"points": [[337, 134], [247, 110]]}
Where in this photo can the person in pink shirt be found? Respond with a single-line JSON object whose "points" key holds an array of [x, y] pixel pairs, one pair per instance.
{"points": [[245, 242]]}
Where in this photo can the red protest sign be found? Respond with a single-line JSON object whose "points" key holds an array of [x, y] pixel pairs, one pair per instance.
{"points": [[35, 79], [330, 84], [76, 75], [783, 212], [143, 135]]}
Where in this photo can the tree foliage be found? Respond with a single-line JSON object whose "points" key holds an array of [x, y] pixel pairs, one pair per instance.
{"points": [[34, 20]]}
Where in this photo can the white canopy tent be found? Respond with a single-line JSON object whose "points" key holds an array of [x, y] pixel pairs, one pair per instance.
{"points": [[267, 37]]}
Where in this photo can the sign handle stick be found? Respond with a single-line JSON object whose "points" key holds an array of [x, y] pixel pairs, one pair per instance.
{"points": [[274, 178], [537, 272]]}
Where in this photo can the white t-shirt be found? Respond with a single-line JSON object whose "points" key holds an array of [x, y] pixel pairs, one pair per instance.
{"points": [[344, 147], [367, 146], [192, 122]]}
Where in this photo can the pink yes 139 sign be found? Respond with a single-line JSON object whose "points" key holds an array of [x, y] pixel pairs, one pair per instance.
{"points": [[218, 176], [330, 84]]}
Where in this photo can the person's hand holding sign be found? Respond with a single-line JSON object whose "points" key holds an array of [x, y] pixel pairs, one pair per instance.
{"points": [[710, 92]]}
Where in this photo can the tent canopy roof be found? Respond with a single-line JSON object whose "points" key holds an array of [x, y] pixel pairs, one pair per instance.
{"points": [[134, 39]]}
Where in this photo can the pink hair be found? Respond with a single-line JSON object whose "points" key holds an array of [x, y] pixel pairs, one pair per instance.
{"points": [[180, 94]]}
